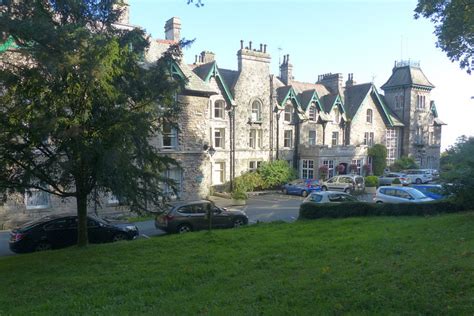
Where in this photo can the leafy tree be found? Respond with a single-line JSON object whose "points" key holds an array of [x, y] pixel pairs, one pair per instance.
{"points": [[78, 107], [404, 163], [454, 27], [457, 169], [378, 152], [276, 172]]}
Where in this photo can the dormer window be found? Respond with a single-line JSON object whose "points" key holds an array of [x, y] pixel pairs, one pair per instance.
{"points": [[256, 115], [219, 107], [288, 113], [369, 116], [312, 113], [337, 116]]}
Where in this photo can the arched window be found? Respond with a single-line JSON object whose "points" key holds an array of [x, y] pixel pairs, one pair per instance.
{"points": [[288, 112], [256, 111], [312, 113], [219, 106], [337, 116], [369, 116]]}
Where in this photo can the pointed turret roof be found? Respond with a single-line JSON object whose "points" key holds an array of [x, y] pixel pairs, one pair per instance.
{"points": [[407, 74]]}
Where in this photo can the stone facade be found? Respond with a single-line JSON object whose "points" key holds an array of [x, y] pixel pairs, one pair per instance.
{"points": [[233, 120]]}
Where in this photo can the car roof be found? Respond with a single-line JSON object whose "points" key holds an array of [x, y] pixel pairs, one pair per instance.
{"points": [[327, 192], [181, 203]]}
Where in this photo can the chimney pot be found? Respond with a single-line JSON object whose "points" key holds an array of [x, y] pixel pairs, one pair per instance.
{"points": [[265, 48], [241, 44], [250, 45], [261, 47]]}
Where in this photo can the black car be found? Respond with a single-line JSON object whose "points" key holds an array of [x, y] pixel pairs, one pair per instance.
{"points": [[58, 231], [183, 217]]}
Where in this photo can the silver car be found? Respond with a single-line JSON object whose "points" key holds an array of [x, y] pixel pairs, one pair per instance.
{"points": [[387, 179], [346, 183], [419, 176], [329, 197], [400, 195]]}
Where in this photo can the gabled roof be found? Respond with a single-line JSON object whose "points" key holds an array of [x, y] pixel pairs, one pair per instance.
{"points": [[407, 76], [309, 96], [194, 83], [389, 117], [433, 110], [209, 70], [355, 95]]}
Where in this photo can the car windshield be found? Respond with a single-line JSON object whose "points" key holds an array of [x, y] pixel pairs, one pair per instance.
{"points": [[416, 194], [316, 197], [98, 219]]}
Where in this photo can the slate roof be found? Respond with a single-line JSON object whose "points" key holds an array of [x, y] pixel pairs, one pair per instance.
{"points": [[229, 77], [407, 76], [354, 97], [195, 83], [328, 102], [282, 92], [389, 114], [203, 70]]}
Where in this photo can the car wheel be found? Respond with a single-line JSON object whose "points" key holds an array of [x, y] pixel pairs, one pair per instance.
{"points": [[347, 190], [378, 202], [119, 237], [304, 193], [184, 228], [238, 222], [285, 191], [43, 246], [324, 188], [418, 181]]}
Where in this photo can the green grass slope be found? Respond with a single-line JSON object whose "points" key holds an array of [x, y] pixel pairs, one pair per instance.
{"points": [[404, 265]]}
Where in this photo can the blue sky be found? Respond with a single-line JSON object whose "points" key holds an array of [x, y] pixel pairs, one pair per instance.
{"points": [[360, 37]]}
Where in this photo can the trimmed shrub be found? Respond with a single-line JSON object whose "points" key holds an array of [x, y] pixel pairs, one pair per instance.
{"points": [[371, 181], [249, 181], [404, 163], [396, 181], [276, 173], [356, 209], [378, 152]]}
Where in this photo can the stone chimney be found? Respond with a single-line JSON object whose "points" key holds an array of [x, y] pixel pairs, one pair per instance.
{"points": [[333, 82], [286, 70], [207, 57], [124, 7], [350, 80], [173, 29], [253, 57]]}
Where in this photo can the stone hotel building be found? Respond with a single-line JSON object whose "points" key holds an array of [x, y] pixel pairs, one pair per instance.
{"points": [[234, 119]]}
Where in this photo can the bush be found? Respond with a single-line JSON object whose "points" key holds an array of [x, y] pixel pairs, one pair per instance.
{"points": [[396, 181], [371, 181], [378, 152], [249, 181], [239, 195], [355, 209], [404, 163], [276, 173]]}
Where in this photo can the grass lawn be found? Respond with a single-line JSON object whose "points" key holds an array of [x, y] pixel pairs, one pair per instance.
{"points": [[377, 265]]}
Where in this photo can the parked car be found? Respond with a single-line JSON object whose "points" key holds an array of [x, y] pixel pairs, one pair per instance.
{"points": [[434, 174], [301, 187], [400, 195], [345, 183], [387, 179], [58, 231], [329, 197], [418, 176], [434, 191], [183, 217]]}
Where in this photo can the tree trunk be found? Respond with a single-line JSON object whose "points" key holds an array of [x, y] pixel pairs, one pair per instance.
{"points": [[82, 238]]}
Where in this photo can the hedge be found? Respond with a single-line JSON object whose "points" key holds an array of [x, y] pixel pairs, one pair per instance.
{"points": [[352, 209]]}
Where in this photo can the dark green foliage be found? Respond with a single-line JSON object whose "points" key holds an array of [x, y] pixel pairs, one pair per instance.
{"points": [[77, 117], [276, 173], [378, 152], [454, 27], [404, 163], [396, 181], [249, 181], [371, 181], [457, 169], [354, 209]]}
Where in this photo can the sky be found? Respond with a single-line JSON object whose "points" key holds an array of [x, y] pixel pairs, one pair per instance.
{"points": [[338, 36]]}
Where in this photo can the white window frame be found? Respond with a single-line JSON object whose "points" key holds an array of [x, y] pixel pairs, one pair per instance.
{"points": [[288, 117], [391, 143], [218, 169], [312, 140], [335, 138], [254, 165], [31, 195], [219, 108], [369, 116], [288, 138], [219, 138], [172, 135], [358, 163], [312, 113], [256, 114], [330, 164], [307, 169]]}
